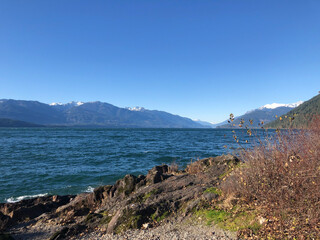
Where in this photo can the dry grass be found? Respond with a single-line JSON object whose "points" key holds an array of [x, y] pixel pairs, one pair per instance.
{"points": [[194, 167], [281, 177], [173, 167]]}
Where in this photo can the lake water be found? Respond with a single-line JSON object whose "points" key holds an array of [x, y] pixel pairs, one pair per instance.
{"points": [[40, 161]]}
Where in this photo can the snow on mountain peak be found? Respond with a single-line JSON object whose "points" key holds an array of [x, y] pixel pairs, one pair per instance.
{"points": [[136, 109], [77, 103], [276, 105], [55, 104], [73, 103], [199, 120]]}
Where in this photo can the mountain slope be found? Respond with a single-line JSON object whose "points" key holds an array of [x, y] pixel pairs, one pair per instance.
{"points": [[263, 114], [5, 122], [205, 124], [91, 114], [299, 117], [30, 111]]}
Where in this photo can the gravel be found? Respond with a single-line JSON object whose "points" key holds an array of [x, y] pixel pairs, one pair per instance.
{"points": [[168, 231]]}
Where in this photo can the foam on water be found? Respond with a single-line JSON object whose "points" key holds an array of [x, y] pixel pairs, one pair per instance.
{"points": [[89, 189], [17, 199]]}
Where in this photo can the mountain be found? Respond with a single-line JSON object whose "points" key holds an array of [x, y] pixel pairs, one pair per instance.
{"points": [[205, 124], [5, 122], [299, 117], [265, 114], [62, 106], [90, 114], [30, 111]]}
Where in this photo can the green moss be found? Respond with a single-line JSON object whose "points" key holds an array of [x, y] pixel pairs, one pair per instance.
{"points": [[213, 190], [216, 215], [130, 223], [231, 169], [149, 194], [156, 217], [129, 220], [106, 218], [225, 173], [102, 218], [91, 217], [163, 216], [231, 221]]}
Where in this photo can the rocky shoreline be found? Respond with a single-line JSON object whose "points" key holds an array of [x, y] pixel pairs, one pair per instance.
{"points": [[159, 205]]}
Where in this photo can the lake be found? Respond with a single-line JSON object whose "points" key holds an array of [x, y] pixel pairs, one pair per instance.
{"points": [[43, 161]]}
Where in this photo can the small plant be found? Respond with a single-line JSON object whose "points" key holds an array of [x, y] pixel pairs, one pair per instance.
{"points": [[232, 220], [194, 167], [213, 190], [173, 167]]}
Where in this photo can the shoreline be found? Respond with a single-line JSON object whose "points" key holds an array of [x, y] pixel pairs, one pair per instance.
{"points": [[164, 196]]}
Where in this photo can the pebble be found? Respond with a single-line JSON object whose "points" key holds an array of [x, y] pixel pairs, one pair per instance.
{"points": [[168, 231]]}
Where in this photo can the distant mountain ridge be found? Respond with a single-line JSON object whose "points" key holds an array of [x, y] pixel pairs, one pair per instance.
{"points": [[205, 124], [5, 122], [98, 114], [299, 117], [265, 114]]}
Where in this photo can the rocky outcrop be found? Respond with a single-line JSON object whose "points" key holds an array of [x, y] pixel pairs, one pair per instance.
{"points": [[132, 202], [28, 209]]}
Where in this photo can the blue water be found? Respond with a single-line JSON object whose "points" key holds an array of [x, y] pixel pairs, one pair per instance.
{"points": [[39, 161]]}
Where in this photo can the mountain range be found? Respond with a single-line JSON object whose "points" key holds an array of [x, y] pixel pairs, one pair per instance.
{"points": [[299, 117], [264, 114], [98, 114], [21, 113], [5, 122]]}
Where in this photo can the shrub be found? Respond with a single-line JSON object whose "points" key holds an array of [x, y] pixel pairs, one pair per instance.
{"points": [[281, 177], [194, 167], [173, 167]]}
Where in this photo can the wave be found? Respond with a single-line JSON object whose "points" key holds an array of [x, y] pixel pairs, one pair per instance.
{"points": [[89, 189], [18, 199]]}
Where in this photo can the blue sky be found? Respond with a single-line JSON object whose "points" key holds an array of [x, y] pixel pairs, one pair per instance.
{"points": [[199, 59]]}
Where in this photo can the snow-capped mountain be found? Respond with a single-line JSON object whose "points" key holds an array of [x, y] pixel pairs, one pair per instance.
{"points": [[97, 114], [303, 115], [276, 105], [73, 103], [65, 106], [265, 114]]}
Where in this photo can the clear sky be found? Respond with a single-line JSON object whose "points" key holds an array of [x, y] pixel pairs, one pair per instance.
{"points": [[198, 59]]}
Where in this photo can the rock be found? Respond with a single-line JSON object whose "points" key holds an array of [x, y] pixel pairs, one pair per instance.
{"points": [[114, 222], [132, 202], [5, 221], [209, 197], [146, 225], [125, 186], [5, 236], [101, 193], [262, 220], [157, 174], [30, 208], [68, 232]]}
